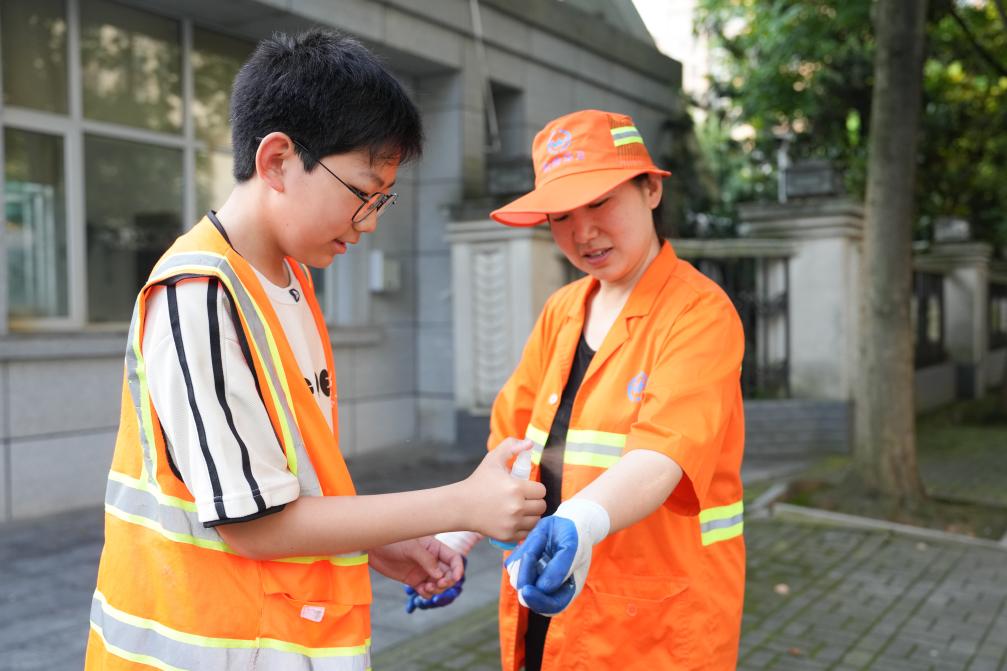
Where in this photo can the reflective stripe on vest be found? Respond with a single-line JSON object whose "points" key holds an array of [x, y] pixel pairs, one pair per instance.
{"points": [[593, 448], [170, 516], [538, 437], [583, 447], [722, 523], [134, 501], [139, 621], [146, 641], [602, 449]]}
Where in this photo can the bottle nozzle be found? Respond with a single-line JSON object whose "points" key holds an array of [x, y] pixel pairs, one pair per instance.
{"points": [[522, 466]]}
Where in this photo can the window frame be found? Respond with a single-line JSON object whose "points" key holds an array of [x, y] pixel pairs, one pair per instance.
{"points": [[73, 128], [13, 120], [346, 302]]}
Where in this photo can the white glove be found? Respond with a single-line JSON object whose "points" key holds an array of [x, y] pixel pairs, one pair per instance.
{"points": [[461, 542]]}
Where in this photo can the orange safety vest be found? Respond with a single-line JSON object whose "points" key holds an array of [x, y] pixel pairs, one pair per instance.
{"points": [[665, 593], [171, 594]]}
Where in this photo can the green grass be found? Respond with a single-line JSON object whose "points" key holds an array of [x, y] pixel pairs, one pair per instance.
{"points": [[962, 456]]}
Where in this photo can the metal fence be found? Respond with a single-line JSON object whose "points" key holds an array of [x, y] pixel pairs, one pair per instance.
{"points": [[927, 313], [998, 315], [759, 288]]}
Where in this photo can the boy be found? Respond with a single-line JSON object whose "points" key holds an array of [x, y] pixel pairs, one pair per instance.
{"points": [[233, 536]]}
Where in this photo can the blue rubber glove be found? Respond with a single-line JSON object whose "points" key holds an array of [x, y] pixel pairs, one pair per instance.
{"points": [[414, 601], [548, 570]]}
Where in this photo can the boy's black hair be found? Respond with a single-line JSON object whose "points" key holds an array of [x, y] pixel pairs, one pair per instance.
{"points": [[328, 92]]}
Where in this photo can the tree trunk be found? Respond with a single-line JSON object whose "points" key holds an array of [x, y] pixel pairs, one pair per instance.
{"points": [[885, 454]]}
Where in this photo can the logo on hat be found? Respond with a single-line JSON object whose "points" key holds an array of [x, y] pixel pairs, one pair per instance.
{"points": [[558, 148], [559, 140]]}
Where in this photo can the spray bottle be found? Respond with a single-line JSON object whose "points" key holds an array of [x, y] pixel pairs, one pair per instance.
{"points": [[521, 470]]}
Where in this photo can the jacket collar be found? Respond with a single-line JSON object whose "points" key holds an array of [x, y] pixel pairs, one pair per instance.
{"points": [[640, 302], [642, 298]]}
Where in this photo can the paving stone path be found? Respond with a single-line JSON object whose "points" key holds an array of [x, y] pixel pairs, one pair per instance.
{"points": [[818, 597]]}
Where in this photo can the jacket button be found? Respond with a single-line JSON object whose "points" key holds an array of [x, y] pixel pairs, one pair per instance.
{"points": [[631, 609], [553, 398]]}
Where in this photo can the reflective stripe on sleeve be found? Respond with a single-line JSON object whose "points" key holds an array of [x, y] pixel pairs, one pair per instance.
{"points": [[722, 523]]}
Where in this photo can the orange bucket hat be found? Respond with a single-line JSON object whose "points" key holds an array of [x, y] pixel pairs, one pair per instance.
{"points": [[579, 157]]}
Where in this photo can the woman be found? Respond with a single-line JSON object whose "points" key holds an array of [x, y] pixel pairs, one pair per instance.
{"points": [[629, 387]]}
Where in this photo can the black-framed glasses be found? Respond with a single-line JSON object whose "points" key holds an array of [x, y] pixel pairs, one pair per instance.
{"points": [[374, 203]]}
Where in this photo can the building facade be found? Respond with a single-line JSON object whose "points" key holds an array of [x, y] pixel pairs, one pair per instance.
{"points": [[115, 140]]}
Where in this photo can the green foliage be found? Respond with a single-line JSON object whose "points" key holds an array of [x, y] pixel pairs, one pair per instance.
{"points": [[738, 169], [964, 151], [713, 174], [804, 68]]}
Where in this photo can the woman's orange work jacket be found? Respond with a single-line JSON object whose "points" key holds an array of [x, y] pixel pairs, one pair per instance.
{"points": [[667, 592], [171, 594]]}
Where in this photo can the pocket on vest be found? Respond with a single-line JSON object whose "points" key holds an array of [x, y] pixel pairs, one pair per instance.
{"points": [[323, 626], [318, 581]]}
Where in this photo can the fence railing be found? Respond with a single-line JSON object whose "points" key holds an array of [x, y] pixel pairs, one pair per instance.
{"points": [[927, 314], [755, 274], [998, 315]]}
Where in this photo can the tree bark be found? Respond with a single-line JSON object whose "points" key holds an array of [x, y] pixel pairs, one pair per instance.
{"points": [[885, 453]]}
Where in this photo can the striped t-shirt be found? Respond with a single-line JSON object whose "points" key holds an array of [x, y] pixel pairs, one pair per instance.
{"points": [[216, 427]]}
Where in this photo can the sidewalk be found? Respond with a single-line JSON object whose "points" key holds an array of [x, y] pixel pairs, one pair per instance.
{"points": [[819, 597], [398, 470]]}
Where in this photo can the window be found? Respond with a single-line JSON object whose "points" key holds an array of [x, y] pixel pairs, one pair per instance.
{"points": [[133, 193], [216, 60], [116, 138], [34, 54], [342, 288], [35, 205], [131, 65], [213, 180]]}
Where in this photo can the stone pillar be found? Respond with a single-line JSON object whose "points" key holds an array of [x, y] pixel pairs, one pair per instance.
{"points": [[439, 185], [502, 277], [966, 269], [824, 289]]}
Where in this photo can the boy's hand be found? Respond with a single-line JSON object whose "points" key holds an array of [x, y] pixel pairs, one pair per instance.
{"points": [[422, 563], [498, 505]]}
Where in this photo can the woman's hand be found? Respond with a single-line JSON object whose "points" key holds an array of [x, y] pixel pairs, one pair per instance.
{"points": [[424, 564]]}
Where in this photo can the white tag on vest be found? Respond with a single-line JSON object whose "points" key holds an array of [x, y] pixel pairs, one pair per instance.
{"points": [[313, 613]]}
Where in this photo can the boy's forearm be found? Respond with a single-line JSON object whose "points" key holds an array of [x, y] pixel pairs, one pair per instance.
{"points": [[489, 501], [327, 525]]}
